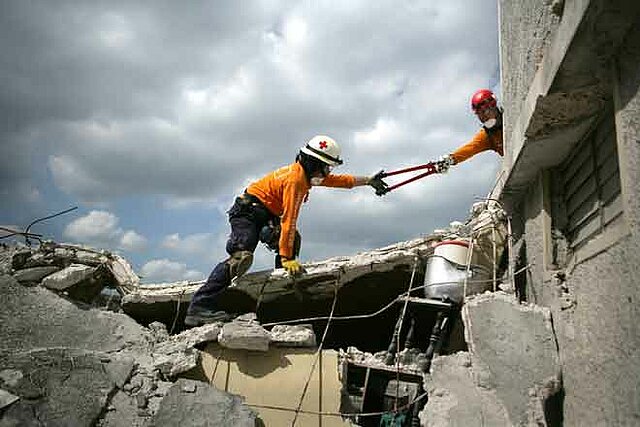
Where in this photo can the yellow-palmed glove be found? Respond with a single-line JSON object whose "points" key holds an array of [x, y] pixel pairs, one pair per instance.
{"points": [[292, 266]]}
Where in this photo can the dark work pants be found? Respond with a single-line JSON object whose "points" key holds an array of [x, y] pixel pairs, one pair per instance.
{"points": [[245, 228], [246, 220]]}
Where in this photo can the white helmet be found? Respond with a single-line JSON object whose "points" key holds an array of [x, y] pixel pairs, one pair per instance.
{"points": [[323, 148]]}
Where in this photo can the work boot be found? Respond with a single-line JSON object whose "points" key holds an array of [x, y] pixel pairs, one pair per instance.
{"points": [[239, 263], [202, 316]]}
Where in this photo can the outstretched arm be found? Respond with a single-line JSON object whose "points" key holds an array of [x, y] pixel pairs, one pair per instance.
{"points": [[349, 181], [479, 143]]}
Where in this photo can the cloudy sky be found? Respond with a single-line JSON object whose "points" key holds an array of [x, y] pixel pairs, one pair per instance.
{"points": [[150, 116]]}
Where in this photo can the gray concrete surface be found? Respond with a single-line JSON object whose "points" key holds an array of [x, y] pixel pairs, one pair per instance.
{"points": [[455, 399], [595, 47], [513, 351], [61, 387], [195, 404], [35, 317], [527, 28]]}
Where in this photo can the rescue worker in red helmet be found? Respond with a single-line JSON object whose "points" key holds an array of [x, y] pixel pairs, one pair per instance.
{"points": [[485, 106], [268, 212]]}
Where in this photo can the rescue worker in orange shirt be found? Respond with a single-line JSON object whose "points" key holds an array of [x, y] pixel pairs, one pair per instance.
{"points": [[268, 211], [485, 106]]}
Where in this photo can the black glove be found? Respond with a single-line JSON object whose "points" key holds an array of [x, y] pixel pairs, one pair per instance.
{"points": [[378, 184]]}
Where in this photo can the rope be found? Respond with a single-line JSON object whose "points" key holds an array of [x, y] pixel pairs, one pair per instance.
{"points": [[398, 332], [337, 414], [175, 318], [215, 368], [383, 309], [313, 366], [511, 275]]}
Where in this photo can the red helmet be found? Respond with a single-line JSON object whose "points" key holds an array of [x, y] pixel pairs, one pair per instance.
{"points": [[483, 97]]}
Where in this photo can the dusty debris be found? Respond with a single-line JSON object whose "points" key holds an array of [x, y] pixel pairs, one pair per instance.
{"points": [[514, 352], [244, 333], [196, 403], [455, 398], [293, 335]]}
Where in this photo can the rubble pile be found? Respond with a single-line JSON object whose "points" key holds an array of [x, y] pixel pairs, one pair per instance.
{"points": [[102, 367], [115, 354]]}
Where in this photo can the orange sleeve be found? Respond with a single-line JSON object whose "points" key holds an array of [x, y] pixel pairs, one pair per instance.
{"points": [[292, 197], [340, 181], [479, 143]]}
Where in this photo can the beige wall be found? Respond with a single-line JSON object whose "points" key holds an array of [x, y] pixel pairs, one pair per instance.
{"points": [[277, 378]]}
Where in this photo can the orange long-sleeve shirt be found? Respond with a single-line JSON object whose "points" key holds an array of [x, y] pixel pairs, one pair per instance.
{"points": [[480, 142], [283, 191]]}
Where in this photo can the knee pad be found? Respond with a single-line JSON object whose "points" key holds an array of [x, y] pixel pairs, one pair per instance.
{"points": [[239, 263]]}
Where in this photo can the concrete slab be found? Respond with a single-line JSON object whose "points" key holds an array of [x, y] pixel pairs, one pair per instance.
{"points": [[514, 352], [195, 403], [455, 399]]}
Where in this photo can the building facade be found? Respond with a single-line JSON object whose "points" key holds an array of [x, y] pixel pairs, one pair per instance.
{"points": [[571, 184]]}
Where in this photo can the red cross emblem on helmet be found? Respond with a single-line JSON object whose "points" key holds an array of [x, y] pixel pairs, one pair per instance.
{"points": [[323, 144]]}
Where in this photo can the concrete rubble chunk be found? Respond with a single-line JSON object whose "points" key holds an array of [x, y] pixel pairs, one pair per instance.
{"points": [[189, 338], [34, 274], [177, 354], [123, 273], [68, 277], [454, 398], [407, 360], [7, 398], [73, 389], [244, 335], [158, 331], [293, 335], [19, 258], [10, 377], [514, 351], [34, 317], [197, 403], [89, 257]]}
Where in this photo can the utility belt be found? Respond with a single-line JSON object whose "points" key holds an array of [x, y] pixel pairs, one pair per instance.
{"points": [[249, 206]]}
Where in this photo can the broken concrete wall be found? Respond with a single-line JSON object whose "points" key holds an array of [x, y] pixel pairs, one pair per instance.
{"points": [[593, 297], [627, 109], [513, 351], [527, 28], [599, 334], [276, 379], [533, 213], [457, 399]]}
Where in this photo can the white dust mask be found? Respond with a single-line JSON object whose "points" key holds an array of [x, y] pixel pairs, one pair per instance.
{"points": [[490, 123]]}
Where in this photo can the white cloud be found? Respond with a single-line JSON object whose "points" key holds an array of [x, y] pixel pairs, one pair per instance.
{"points": [[381, 138], [101, 229], [132, 241], [96, 226], [199, 244], [164, 270], [295, 31]]}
